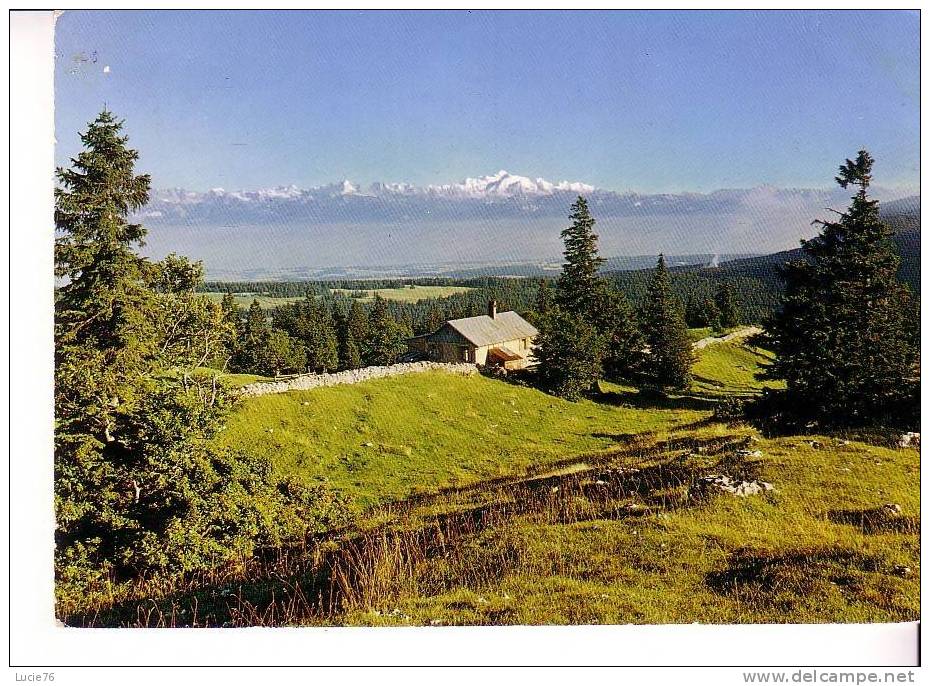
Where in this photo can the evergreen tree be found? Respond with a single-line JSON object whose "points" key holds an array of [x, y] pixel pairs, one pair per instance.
{"points": [[623, 343], [281, 354], [701, 313], [579, 285], [588, 308], [542, 305], [322, 344], [725, 302], [569, 351], [667, 364], [356, 334], [434, 319], [842, 338], [387, 340], [694, 313], [710, 314], [104, 343], [253, 338], [310, 324], [232, 317], [139, 486]]}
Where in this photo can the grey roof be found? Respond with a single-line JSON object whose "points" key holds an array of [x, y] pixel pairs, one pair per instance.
{"points": [[482, 330]]}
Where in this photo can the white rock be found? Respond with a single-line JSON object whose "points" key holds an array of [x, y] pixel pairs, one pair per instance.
{"points": [[738, 488], [909, 440]]}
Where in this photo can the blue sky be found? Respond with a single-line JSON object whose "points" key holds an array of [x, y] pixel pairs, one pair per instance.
{"points": [[645, 101]]}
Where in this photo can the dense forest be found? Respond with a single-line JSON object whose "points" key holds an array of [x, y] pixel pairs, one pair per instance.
{"points": [[755, 298]]}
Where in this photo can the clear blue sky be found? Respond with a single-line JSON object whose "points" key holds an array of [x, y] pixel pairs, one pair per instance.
{"points": [[646, 101]]}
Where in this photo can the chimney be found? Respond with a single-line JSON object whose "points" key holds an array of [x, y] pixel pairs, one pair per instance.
{"points": [[492, 308]]}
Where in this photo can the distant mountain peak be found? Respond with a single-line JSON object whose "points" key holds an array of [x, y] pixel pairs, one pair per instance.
{"points": [[502, 185]]}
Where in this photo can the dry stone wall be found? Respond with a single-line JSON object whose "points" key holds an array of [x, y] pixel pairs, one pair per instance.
{"points": [[306, 382]]}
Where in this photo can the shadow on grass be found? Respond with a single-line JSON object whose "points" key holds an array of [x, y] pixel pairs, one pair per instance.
{"points": [[809, 580], [720, 389], [877, 520], [817, 583], [644, 400], [698, 424]]}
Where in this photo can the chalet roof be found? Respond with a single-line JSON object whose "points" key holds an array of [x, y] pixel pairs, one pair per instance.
{"points": [[482, 330]]}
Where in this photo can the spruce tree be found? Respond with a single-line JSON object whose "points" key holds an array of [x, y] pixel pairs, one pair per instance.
{"points": [[139, 485], [694, 313], [434, 319], [232, 316], [589, 308], [842, 338], [725, 302], [622, 340], [348, 352], [356, 337], [387, 339], [578, 286], [104, 342], [711, 316], [668, 361], [322, 345], [569, 351], [252, 340]]}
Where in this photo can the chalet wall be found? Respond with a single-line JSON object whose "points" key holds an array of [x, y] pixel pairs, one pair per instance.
{"points": [[517, 345]]}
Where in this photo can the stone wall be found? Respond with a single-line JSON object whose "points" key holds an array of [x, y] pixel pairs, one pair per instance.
{"points": [[306, 382]]}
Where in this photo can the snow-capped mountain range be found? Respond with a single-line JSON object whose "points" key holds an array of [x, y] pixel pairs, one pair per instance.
{"points": [[497, 195], [503, 184], [501, 216]]}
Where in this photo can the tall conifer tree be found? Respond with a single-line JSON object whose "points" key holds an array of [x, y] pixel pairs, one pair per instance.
{"points": [[579, 285], [725, 302], [387, 339], [668, 362], [841, 338]]}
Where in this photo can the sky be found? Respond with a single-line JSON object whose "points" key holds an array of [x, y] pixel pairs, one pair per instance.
{"points": [[664, 101]]}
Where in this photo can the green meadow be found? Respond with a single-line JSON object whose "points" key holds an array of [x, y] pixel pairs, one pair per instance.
{"points": [[409, 294], [478, 501]]}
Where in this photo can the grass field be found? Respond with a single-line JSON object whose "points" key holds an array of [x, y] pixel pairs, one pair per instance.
{"points": [[389, 438], [414, 294], [482, 502], [730, 368], [244, 300], [598, 549]]}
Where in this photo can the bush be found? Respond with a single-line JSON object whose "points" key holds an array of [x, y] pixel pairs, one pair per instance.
{"points": [[730, 409]]}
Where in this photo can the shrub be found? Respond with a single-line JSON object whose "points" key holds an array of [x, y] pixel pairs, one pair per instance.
{"points": [[731, 408]]}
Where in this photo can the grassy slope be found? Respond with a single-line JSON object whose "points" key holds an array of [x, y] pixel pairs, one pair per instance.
{"points": [[730, 369], [389, 438], [569, 548], [800, 555]]}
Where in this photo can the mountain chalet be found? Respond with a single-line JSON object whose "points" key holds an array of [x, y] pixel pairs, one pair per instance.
{"points": [[495, 339]]}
